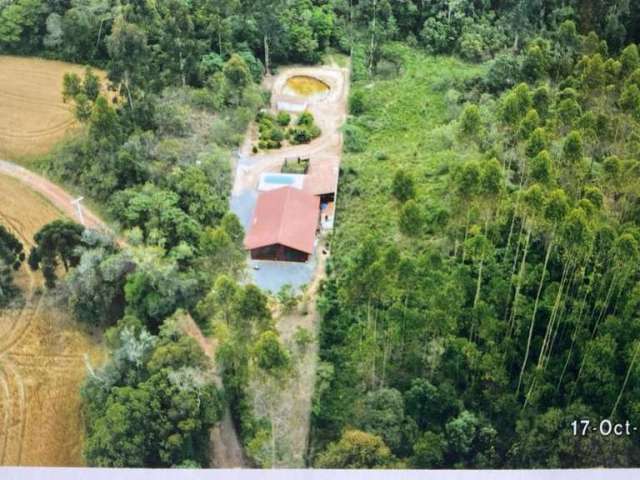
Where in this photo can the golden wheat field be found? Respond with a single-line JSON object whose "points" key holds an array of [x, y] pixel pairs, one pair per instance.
{"points": [[42, 355], [33, 116]]}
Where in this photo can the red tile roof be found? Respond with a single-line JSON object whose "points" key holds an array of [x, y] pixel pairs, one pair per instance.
{"points": [[322, 178], [285, 216]]}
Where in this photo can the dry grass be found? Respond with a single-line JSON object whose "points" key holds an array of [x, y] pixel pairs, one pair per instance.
{"points": [[22, 210], [33, 116], [42, 355]]}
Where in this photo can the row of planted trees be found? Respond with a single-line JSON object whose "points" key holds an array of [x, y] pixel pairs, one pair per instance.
{"points": [[564, 232]]}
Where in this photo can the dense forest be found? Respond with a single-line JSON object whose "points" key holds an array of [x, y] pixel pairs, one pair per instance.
{"points": [[482, 289], [484, 272]]}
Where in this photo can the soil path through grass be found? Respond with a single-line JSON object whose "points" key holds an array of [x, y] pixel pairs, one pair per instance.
{"points": [[52, 192], [226, 448]]}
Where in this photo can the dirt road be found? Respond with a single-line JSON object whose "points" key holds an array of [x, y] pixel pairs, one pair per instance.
{"points": [[224, 442], [289, 408], [52, 192], [329, 113], [298, 392]]}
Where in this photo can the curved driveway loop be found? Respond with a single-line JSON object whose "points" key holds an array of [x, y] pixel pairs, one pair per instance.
{"points": [[330, 112]]}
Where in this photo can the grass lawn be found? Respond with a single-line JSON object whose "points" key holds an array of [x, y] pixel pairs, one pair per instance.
{"points": [[408, 124]]}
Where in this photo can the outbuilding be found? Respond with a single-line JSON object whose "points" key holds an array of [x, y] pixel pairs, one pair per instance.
{"points": [[284, 225]]}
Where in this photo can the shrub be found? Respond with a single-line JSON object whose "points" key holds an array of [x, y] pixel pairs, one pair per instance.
{"points": [[411, 219], [355, 138], [263, 117], [356, 449], [357, 103], [224, 133], [437, 35], [403, 186], [303, 338], [470, 121], [306, 119], [283, 119], [287, 298], [503, 73], [480, 38], [172, 119], [204, 99], [300, 135], [276, 134], [314, 131]]}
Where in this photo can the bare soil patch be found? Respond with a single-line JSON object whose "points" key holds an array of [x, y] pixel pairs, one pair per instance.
{"points": [[33, 116]]}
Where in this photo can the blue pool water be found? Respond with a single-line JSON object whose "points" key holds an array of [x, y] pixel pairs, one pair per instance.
{"points": [[279, 179]]}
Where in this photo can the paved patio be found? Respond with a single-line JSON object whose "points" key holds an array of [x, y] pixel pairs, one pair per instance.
{"points": [[272, 276]]}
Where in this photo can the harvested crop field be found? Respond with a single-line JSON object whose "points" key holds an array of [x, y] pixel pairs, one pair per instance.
{"points": [[42, 355], [33, 116]]}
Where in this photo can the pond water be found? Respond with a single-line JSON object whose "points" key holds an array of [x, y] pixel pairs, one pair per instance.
{"points": [[305, 86]]}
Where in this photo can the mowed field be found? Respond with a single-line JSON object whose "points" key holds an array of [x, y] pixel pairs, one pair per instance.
{"points": [[33, 116], [42, 355]]}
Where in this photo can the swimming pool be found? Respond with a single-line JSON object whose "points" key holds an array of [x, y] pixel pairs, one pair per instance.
{"points": [[272, 180], [279, 179]]}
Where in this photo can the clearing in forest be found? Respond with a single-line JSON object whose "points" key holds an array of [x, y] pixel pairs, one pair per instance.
{"points": [[33, 116], [42, 354], [287, 406]]}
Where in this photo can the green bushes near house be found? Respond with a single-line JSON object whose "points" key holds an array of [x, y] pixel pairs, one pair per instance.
{"points": [[273, 130]]}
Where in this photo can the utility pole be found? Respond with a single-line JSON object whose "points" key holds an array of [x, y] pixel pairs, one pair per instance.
{"points": [[76, 202]]}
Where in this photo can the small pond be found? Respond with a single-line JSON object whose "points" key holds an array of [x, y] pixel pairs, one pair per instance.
{"points": [[305, 86]]}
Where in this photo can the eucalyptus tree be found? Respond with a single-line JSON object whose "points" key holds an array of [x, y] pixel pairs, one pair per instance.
{"points": [[466, 185], [630, 59], [532, 213], [215, 21], [529, 123], [265, 14], [576, 241], [479, 245], [470, 122], [378, 20], [555, 209], [178, 49], [635, 350], [129, 57]]}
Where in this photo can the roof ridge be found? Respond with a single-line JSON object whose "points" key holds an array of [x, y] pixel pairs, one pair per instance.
{"points": [[282, 214]]}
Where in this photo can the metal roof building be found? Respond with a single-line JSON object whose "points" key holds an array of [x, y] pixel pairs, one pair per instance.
{"points": [[284, 225]]}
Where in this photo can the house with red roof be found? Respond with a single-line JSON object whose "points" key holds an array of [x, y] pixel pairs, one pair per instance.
{"points": [[284, 225]]}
